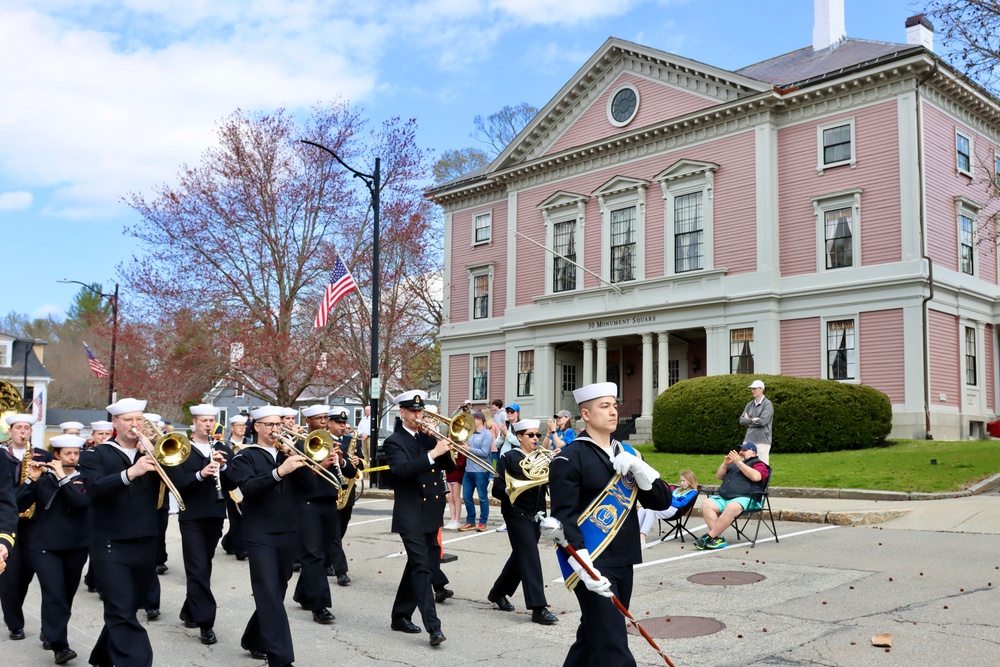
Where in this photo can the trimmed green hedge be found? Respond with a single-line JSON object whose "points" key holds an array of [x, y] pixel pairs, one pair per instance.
{"points": [[701, 415]]}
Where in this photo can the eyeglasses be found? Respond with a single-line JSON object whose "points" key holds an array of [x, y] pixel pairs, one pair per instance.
{"points": [[271, 425], [532, 435]]}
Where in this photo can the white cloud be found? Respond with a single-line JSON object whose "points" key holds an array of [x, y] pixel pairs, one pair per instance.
{"points": [[15, 201], [548, 12], [49, 310]]}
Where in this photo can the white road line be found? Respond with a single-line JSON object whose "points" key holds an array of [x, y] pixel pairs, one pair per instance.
{"points": [[361, 523], [452, 540], [369, 502]]}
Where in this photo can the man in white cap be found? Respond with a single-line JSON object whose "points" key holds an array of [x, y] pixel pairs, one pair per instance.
{"points": [[757, 417], [100, 431], [524, 566], [16, 462], [202, 481], [584, 480], [232, 542], [59, 546], [271, 482], [417, 460], [124, 488], [71, 428], [288, 416]]}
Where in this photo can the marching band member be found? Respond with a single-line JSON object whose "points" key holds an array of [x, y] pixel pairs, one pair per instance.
{"points": [[152, 599], [59, 546], [596, 471], [317, 529], [100, 431], [71, 428], [288, 416], [417, 460], [524, 566], [123, 497], [8, 519], [232, 542], [201, 522], [20, 569], [271, 481], [340, 428]]}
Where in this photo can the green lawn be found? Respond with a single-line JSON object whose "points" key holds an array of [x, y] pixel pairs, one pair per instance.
{"points": [[905, 465]]}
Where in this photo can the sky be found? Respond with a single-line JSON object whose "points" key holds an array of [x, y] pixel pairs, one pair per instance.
{"points": [[100, 98]]}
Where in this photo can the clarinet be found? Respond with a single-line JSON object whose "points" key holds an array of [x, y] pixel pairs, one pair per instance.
{"points": [[220, 497]]}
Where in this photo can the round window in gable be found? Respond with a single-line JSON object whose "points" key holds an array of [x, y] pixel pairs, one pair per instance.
{"points": [[623, 105]]}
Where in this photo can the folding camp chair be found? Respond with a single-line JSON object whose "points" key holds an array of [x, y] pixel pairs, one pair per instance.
{"points": [[677, 524], [760, 504]]}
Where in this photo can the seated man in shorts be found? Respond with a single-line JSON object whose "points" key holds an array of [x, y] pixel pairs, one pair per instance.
{"points": [[742, 475]]}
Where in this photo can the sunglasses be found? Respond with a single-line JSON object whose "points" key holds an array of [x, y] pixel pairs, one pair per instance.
{"points": [[532, 435]]}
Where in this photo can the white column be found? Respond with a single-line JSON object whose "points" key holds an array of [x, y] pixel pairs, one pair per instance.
{"points": [[647, 375], [544, 380], [602, 360], [588, 363], [663, 340]]}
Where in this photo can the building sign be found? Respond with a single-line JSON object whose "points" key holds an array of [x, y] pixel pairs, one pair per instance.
{"points": [[621, 322]]}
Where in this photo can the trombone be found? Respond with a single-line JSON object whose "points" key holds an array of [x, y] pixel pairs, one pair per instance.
{"points": [[460, 429], [170, 449], [317, 445]]}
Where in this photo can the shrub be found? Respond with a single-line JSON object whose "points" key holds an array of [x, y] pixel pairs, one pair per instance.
{"points": [[701, 415]]}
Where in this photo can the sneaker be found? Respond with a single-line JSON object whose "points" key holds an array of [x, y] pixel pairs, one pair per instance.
{"points": [[481, 528], [467, 526], [716, 543], [452, 525], [700, 542]]}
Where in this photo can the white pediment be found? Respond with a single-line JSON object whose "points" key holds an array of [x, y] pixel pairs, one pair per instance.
{"points": [[684, 168], [620, 184], [562, 198]]}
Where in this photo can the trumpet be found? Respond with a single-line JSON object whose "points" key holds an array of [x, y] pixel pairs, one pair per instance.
{"points": [[460, 429], [170, 449], [317, 445]]}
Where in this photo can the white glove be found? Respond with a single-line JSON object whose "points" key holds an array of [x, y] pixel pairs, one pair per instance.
{"points": [[644, 473], [601, 585]]}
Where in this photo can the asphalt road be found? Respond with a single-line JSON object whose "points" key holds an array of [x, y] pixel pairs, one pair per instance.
{"points": [[826, 590]]}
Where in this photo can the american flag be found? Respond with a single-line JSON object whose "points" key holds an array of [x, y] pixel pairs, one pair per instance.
{"points": [[38, 404], [341, 283], [95, 365]]}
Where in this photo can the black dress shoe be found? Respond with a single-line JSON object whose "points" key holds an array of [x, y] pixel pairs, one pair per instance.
{"points": [[152, 614], [208, 636], [241, 555], [323, 616], [330, 571], [543, 617], [187, 620], [404, 625], [17, 633], [160, 569], [46, 646], [343, 580], [437, 637], [254, 653], [501, 601], [65, 655], [443, 594]]}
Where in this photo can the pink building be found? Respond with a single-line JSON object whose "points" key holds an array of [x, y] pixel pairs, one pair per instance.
{"points": [[828, 213]]}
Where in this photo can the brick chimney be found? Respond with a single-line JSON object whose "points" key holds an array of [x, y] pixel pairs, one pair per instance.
{"points": [[919, 30], [828, 24]]}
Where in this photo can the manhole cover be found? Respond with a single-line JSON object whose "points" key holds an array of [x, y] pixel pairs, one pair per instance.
{"points": [[724, 578], [677, 627]]}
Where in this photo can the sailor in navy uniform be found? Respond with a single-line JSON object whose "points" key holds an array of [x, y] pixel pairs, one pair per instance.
{"points": [[578, 475], [524, 567], [201, 522], [124, 489], [20, 569], [271, 483], [59, 547], [8, 519], [232, 542], [340, 427], [417, 461]]}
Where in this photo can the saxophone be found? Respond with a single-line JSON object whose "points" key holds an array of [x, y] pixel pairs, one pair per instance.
{"points": [[25, 467], [348, 490]]}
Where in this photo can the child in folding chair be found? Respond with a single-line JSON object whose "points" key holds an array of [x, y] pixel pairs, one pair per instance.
{"points": [[681, 495]]}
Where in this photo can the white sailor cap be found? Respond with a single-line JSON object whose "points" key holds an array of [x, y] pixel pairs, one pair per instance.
{"points": [[13, 419], [266, 411], [101, 426], [153, 417], [204, 410], [413, 400], [288, 412], [315, 410], [338, 414], [525, 424], [592, 391], [126, 405], [66, 425], [238, 419], [67, 440]]}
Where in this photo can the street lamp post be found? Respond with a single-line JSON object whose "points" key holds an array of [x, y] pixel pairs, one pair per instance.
{"points": [[113, 298], [373, 182]]}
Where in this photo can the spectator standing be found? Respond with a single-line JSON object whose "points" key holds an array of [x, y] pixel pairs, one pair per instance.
{"points": [[454, 479], [560, 432], [477, 478], [758, 416], [365, 432], [507, 441]]}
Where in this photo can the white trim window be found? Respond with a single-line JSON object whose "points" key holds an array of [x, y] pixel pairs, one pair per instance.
{"points": [[482, 228], [741, 347], [996, 169], [688, 188], [967, 217], [963, 152], [569, 377], [6, 351], [838, 230], [223, 417], [970, 356], [623, 228], [564, 215], [525, 372], [673, 372], [480, 377], [841, 349], [835, 144], [623, 105], [480, 291]]}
